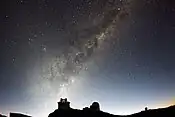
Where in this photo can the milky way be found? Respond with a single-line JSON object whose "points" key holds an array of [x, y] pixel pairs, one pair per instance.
{"points": [[117, 52], [61, 70]]}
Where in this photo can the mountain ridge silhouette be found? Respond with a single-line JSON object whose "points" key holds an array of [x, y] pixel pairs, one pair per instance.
{"points": [[64, 110], [160, 112]]}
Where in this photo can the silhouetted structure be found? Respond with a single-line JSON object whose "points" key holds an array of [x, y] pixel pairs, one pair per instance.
{"points": [[95, 106], [2, 115], [161, 112], [85, 108], [146, 108], [18, 115], [63, 104], [64, 110]]}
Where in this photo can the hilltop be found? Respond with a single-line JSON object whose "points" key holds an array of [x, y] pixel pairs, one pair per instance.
{"points": [[65, 110]]}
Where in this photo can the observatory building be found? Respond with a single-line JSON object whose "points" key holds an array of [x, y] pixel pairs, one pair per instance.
{"points": [[63, 104]]}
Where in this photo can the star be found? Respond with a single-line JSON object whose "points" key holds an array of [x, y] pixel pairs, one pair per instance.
{"points": [[118, 8], [43, 48], [13, 60]]}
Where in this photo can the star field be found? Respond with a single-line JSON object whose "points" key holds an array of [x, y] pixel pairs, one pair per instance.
{"points": [[85, 50]]}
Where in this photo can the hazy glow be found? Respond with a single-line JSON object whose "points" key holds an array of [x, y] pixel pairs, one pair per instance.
{"points": [[119, 53]]}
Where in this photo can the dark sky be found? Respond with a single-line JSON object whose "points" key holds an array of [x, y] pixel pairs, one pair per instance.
{"points": [[118, 52]]}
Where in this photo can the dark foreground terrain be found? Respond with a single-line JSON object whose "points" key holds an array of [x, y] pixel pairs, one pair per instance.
{"points": [[15, 115], [163, 112]]}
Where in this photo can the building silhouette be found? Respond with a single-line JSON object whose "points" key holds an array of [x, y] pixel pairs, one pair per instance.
{"points": [[64, 104], [2, 115], [146, 108], [85, 108], [95, 106]]}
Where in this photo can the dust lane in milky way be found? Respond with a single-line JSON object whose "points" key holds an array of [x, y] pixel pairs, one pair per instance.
{"points": [[117, 52], [61, 70]]}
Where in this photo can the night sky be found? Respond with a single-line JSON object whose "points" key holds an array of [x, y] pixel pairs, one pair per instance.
{"points": [[120, 53]]}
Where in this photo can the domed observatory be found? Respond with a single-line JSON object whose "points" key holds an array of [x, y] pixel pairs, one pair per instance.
{"points": [[95, 106]]}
